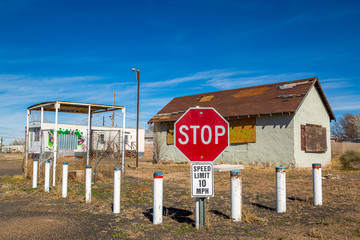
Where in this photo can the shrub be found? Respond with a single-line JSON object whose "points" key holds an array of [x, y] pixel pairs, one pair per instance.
{"points": [[350, 159]]}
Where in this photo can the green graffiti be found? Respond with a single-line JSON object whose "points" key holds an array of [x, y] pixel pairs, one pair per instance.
{"points": [[76, 132], [237, 133]]}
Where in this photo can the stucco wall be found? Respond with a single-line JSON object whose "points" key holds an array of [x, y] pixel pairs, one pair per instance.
{"points": [[312, 111], [273, 146]]}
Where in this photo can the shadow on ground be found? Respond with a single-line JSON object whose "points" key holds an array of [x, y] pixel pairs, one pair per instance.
{"points": [[179, 215]]}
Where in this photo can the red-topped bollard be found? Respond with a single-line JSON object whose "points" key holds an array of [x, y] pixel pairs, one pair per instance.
{"points": [[235, 194], [158, 198], [280, 190], [317, 185]]}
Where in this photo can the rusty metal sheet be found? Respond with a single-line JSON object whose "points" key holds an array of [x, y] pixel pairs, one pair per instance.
{"points": [[242, 130]]}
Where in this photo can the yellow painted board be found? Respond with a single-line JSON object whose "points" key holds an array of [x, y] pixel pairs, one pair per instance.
{"points": [[242, 130]]}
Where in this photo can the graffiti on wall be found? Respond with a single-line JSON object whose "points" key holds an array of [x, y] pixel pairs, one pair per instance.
{"points": [[242, 130], [80, 136]]}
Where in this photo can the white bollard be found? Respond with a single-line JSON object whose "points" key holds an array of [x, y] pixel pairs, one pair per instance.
{"points": [[235, 194], [317, 185], [47, 176], [88, 184], [117, 189], [197, 213], [35, 173], [64, 184], [158, 198], [280, 190]]}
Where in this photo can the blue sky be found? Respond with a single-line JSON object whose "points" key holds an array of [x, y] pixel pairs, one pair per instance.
{"points": [[84, 50]]}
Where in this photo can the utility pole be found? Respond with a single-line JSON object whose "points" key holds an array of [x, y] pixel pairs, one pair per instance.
{"points": [[137, 115], [113, 112]]}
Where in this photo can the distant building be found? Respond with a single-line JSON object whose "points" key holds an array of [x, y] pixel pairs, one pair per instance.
{"points": [[285, 123], [13, 149]]}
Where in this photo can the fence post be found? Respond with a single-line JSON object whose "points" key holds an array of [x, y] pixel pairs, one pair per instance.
{"points": [[117, 189], [280, 190], [47, 176], [317, 185], [65, 179], [158, 198], [35, 173], [88, 184], [235, 194]]}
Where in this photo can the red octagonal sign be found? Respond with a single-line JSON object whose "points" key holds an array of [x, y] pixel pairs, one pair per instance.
{"points": [[201, 134]]}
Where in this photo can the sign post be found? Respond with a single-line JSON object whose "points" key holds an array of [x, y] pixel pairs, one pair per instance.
{"points": [[201, 135]]}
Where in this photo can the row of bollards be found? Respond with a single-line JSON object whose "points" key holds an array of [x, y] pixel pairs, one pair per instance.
{"points": [[281, 187], [235, 190]]}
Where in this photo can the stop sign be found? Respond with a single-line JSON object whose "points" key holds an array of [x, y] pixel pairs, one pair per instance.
{"points": [[201, 134]]}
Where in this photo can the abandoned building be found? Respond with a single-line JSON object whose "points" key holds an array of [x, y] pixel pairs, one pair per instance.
{"points": [[285, 124]]}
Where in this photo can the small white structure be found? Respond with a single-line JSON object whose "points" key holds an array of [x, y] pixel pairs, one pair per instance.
{"points": [[72, 139], [60, 137]]}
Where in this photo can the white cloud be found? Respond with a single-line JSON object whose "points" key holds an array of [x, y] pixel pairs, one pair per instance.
{"points": [[208, 75]]}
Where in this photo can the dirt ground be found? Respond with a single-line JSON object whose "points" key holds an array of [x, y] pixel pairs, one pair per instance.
{"points": [[27, 213]]}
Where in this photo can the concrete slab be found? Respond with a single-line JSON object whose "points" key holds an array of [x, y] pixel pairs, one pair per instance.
{"points": [[227, 167]]}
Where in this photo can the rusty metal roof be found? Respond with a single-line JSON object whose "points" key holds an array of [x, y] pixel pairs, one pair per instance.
{"points": [[74, 107], [276, 98]]}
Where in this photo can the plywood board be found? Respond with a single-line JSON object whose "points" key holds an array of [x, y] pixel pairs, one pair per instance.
{"points": [[170, 134], [315, 139], [242, 130]]}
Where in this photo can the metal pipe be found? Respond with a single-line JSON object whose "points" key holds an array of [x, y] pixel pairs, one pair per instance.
{"points": [[35, 173], [123, 143], [235, 194], [137, 118], [27, 142], [317, 185], [88, 137], [158, 198], [57, 106], [280, 190], [117, 189], [65, 179], [41, 133]]}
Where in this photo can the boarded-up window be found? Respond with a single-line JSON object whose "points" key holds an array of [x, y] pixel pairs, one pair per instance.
{"points": [[170, 134], [313, 138], [242, 130]]}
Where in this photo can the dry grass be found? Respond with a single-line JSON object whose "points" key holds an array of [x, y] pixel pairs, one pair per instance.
{"points": [[338, 218], [248, 215]]}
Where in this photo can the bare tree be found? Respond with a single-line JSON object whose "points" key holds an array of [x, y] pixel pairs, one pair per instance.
{"points": [[157, 142], [348, 127], [18, 142]]}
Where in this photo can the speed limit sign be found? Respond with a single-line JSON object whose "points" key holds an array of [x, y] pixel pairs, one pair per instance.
{"points": [[202, 180]]}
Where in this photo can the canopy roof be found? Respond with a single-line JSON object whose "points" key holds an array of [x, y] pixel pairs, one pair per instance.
{"points": [[74, 107]]}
